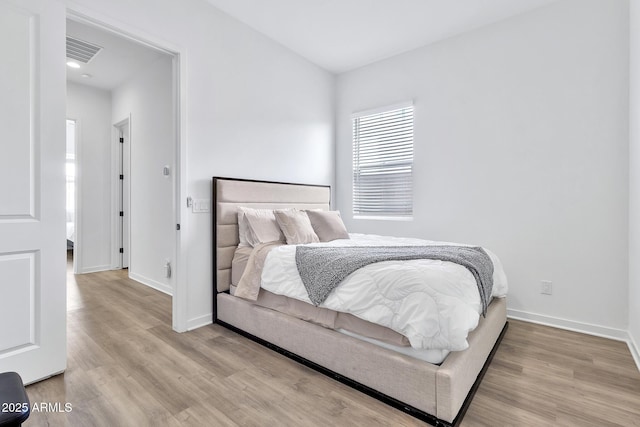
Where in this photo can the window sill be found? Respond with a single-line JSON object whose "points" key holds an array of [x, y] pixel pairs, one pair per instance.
{"points": [[379, 218]]}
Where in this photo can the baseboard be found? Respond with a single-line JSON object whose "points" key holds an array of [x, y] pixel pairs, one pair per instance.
{"points": [[199, 322], [570, 325], [635, 350], [95, 269], [151, 283]]}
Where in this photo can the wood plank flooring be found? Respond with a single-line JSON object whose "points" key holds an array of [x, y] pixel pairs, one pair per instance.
{"points": [[127, 367]]}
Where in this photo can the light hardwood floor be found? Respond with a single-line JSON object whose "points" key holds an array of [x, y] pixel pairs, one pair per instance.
{"points": [[127, 367]]}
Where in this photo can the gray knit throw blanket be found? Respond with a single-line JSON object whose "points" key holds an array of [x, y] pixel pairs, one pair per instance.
{"points": [[323, 268]]}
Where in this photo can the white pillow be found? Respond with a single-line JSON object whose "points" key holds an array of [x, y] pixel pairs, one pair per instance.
{"points": [[243, 228], [261, 226]]}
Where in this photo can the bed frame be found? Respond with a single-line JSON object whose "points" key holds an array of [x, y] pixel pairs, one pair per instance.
{"points": [[437, 394]]}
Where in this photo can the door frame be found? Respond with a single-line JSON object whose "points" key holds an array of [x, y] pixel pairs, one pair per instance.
{"points": [[107, 23]]}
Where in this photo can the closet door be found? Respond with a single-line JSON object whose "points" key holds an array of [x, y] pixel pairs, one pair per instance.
{"points": [[32, 147]]}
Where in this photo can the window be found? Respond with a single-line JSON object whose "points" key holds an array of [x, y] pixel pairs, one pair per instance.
{"points": [[383, 163]]}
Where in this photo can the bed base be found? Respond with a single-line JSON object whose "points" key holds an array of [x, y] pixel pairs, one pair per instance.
{"points": [[395, 403], [436, 394]]}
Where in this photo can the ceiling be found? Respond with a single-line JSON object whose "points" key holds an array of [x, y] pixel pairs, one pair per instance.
{"points": [[119, 59], [337, 35], [340, 35]]}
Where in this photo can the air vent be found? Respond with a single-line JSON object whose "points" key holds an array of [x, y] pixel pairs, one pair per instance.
{"points": [[81, 50]]}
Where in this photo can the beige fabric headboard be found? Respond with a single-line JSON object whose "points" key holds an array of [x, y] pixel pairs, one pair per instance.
{"points": [[229, 193]]}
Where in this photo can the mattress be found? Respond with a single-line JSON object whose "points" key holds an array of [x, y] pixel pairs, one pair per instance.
{"points": [[434, 303], [344, 323]]}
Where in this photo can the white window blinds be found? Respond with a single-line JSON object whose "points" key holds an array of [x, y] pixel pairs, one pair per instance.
{"points": [[383, 163]]}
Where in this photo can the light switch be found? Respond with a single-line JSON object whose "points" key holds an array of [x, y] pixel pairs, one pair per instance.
{"points": [[201, 206]]}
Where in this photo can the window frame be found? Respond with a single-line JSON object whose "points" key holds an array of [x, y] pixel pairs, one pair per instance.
{"points": [[391, 157]]}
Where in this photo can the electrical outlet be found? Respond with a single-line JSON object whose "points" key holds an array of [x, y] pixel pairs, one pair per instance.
{"points": [[546, 287]]}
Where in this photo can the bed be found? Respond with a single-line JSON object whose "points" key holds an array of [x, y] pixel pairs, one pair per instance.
{"points": [[436, 393]]}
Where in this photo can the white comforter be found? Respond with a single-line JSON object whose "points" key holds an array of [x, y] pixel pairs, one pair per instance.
{"points": [[435, 304]]}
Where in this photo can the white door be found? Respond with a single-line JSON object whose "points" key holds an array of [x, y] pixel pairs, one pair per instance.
{"points": [[32, 188]]}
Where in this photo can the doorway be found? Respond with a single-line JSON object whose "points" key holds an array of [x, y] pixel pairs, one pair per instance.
{"points": [[144, 171], [70, 174]]}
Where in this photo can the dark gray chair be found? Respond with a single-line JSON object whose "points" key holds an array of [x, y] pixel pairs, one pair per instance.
{"points": [[15, 407]]}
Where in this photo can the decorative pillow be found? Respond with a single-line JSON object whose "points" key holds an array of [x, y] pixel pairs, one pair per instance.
{"points": [[328, 225], [243, 228], [296, 226], [261, 226]]}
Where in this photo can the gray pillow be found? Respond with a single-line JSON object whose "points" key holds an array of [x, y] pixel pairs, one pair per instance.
{"points": [[328, 225]]}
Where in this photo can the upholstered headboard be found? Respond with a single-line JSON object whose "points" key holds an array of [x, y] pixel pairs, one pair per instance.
{"points": [[229, 193]]}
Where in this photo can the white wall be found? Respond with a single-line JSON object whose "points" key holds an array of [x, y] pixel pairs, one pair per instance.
{"points": [[148, 98], [253, 109], [634, 180], [91, 108], [520, 146]]}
